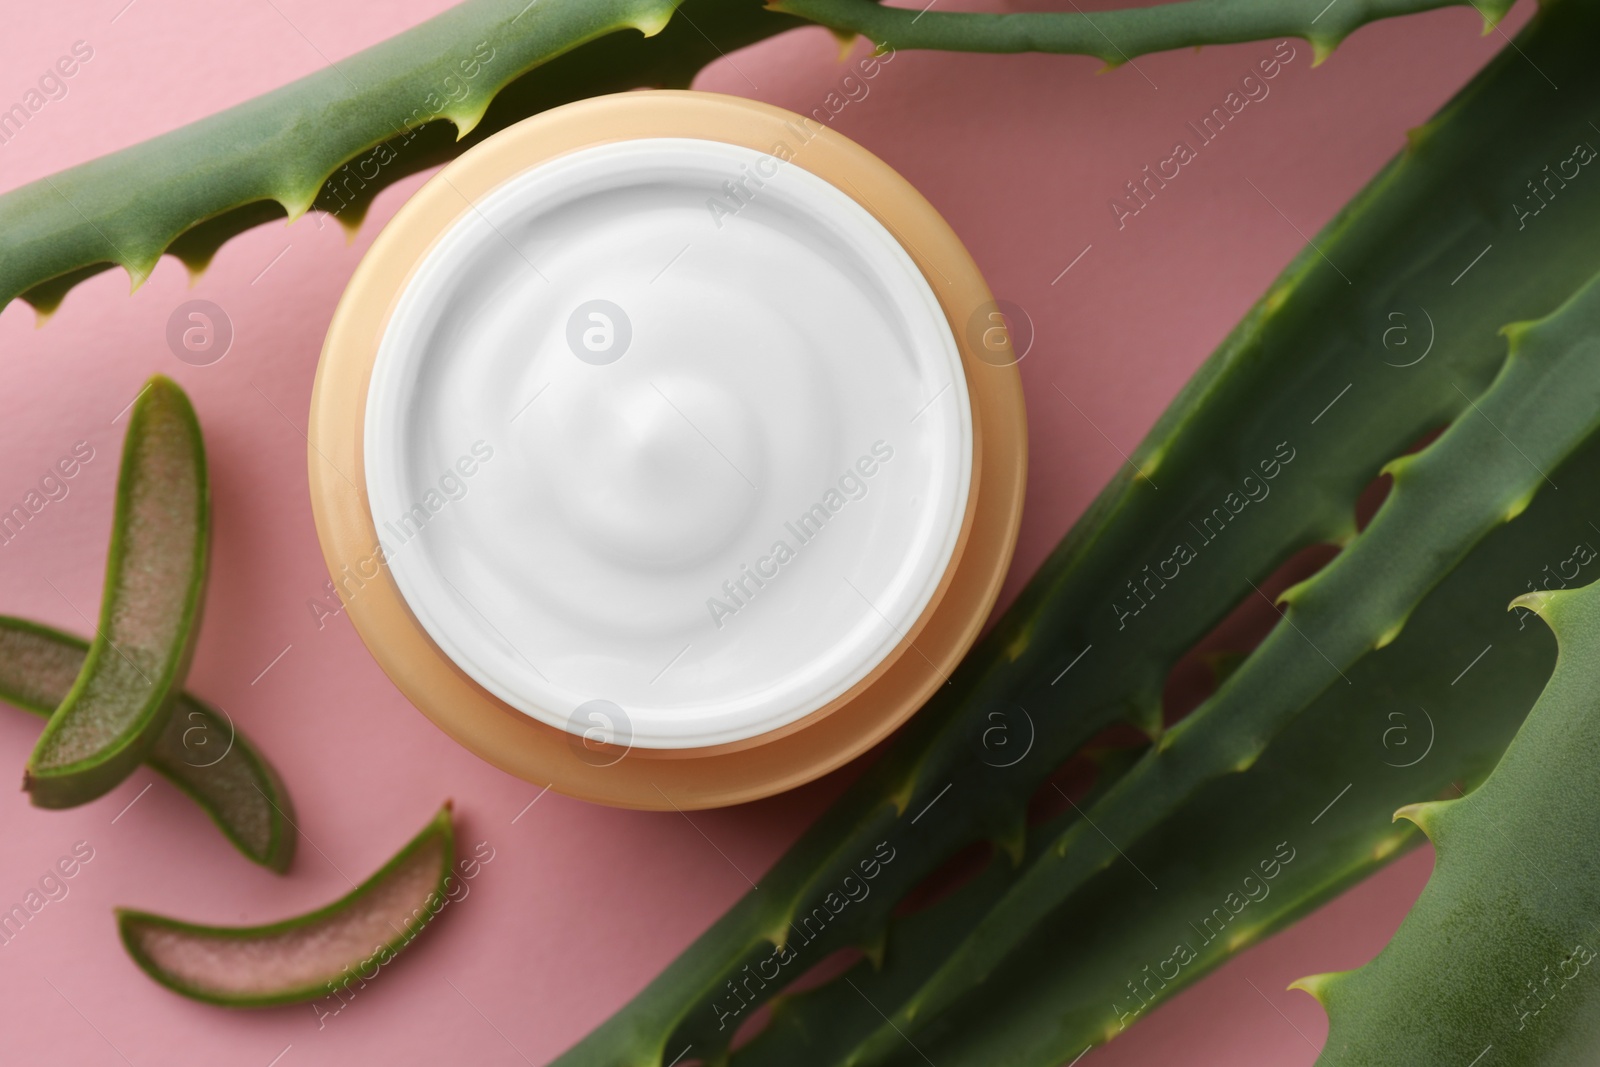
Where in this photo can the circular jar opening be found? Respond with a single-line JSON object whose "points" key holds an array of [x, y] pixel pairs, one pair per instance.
{"points": [[671, 432]]}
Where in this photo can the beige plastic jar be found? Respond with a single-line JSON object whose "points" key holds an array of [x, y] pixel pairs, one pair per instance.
{"points": [[669, 450]]}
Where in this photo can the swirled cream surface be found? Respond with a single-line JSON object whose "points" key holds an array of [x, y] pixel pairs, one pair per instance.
{"points": [[668, 442]]}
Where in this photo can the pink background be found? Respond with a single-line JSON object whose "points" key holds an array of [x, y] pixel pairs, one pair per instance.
{"points": [[582, 905]]}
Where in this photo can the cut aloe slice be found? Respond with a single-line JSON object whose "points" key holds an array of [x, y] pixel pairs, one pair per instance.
{"points": [[325, 953], [122, 699], [200, 751]]}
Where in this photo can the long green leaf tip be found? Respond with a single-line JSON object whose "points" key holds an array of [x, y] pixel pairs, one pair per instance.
{"points": [[325, 953], [334, 139], [1120, 35], [121, 702], [1264, 453], [201, 751], [1496, 963]]}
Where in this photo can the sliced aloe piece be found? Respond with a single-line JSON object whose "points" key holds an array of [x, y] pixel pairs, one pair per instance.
{"points": [[113, 715], [200, 751], [307, 957]]}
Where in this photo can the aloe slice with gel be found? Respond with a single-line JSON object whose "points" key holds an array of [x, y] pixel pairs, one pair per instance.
{"points": [[116, 710], [330, 952], [200, 751]]}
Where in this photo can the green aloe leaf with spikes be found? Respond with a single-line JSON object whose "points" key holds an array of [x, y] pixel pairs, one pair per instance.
{"points": [[334, 139], [1497, 963], [820, 1025], [1319, 794], [1119, 35], [1481, 472]]}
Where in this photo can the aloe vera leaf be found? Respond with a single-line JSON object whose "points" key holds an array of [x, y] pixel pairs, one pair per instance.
{"points": [[336, 137], [1481, 472], [311, 955], [1117, 35], [819, 1025], [1312, 340], [1461, 487], [1412, 724], [238, 788], [1499, 951], [116, 710]]}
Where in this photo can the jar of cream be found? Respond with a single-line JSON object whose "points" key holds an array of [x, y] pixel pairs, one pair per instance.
{"points": [[667, 448]]}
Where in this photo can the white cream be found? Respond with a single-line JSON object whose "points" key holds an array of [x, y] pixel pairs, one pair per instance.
{"points": [[602, 490]]}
